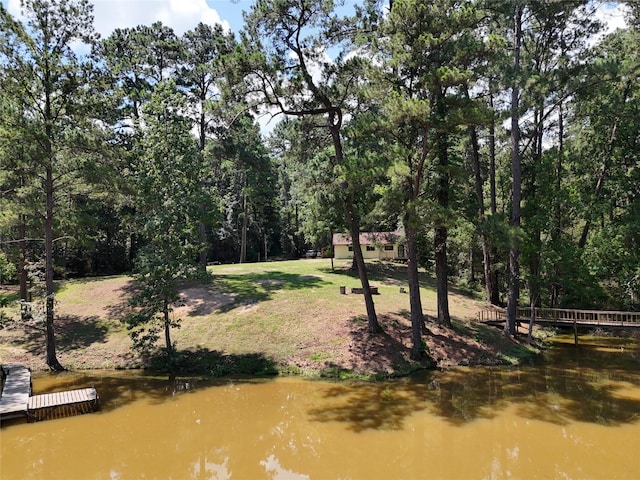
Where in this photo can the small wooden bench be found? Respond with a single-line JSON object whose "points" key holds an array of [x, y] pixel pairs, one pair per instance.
{"points": [[360, 290]]}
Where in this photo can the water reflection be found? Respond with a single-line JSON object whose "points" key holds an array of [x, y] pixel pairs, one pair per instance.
{"points": [[277, 472], [564, 418], [546, 393], [204, 469]]}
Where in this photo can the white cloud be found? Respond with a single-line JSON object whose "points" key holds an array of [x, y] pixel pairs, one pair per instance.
{"points": [[13, 7], [612, 15], [181, 15]]}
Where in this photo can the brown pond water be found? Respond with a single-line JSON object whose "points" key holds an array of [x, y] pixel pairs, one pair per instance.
{"points": [[574, 416]]}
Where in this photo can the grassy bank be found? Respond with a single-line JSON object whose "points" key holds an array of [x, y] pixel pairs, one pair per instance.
{"points": [[263, 319]]}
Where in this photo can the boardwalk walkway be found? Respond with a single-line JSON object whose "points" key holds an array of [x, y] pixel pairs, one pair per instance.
{"points": [[16, 400], [560, 317]]}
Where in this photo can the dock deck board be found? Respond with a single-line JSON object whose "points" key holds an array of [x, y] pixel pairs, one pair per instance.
{"points": [[16, 391], [56, 399]]}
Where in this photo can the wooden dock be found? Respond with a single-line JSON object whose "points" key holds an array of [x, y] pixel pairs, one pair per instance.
{"points": [[562, 317], [565, 318], [16, 390], [63, 404], [16, 400]]}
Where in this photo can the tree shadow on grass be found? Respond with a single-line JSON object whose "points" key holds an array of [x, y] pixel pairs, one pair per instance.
{"points": [[389, 273], [72, 333], [75, 333], [223, 293], [123, 308], [250, 288], [472, 343], [384, 353]]}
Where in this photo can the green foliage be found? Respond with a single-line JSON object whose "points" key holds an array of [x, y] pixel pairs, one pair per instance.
{"points": [[398, 91], [52, 110], [7, 269], [245, 182], [168, 199]]}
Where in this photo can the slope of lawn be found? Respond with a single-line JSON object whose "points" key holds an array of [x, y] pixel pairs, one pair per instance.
{"points": [[286, 316]]}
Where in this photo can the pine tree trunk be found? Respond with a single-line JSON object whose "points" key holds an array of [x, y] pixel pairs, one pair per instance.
{"points": [[22, 272], [440, 245], [486, 257], [532, 319], [417, 317], [167, 327], [556, 231], [535, 239], [602, 175], [372, 318], [52, 360], [441, 231], [243, 233], [493, 252], [202, 228], [353, 221], [516, 173]]}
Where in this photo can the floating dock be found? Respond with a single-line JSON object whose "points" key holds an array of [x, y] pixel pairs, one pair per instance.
{"points": [[16, 390], [17, 401]]}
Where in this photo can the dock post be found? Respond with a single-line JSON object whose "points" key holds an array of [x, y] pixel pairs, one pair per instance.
{"points": [[575, 332]]}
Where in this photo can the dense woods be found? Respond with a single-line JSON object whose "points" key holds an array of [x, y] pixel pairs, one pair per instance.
{"points": [[501, 136]]}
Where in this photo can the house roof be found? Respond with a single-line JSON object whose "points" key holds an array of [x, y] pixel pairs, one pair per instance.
{"points": [[368, 238]]}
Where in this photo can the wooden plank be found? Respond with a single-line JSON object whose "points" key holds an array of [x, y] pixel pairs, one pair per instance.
{"points": [[57, 399], [16, 390]]}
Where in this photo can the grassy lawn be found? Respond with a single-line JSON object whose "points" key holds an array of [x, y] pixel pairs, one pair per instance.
{"points": [[286, 316]]}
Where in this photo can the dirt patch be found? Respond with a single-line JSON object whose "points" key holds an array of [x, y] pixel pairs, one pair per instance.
{"points": [[197, 301], [311, 277], [247, 307], [270, 282], [382, 352], [449, 348], [103, 298]]}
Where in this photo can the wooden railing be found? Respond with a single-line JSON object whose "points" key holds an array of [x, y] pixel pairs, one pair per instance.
{"points": [[568, 316]]}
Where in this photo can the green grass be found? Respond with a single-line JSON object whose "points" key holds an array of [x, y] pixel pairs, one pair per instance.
{"points": [[319, 356], [259, 318]]}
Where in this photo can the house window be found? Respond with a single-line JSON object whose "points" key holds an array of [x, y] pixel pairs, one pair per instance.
{"points": [[351, 248], [388, 248], [371, 248]]}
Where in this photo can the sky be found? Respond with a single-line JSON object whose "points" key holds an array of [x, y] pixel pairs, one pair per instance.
{"points": [[181, 15]]}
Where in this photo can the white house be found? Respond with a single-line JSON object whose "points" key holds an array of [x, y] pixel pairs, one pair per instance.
{"points": [[378, 245]]}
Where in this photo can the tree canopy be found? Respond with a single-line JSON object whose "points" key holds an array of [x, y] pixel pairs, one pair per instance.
{"points": [[500, 137]]}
